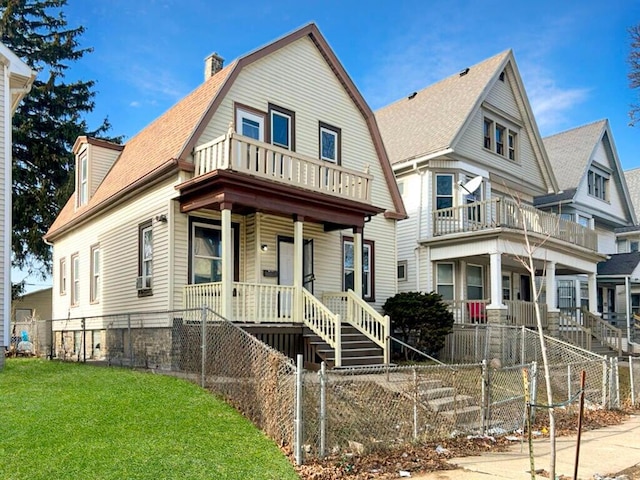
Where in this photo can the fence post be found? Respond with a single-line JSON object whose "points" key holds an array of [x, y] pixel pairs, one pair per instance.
{"points": [[323, 408], [84, 341], [616, 383], [130, 340], [484, 405], [415, 404], [298, 419], [203, 344], [533, 378], [604, 383], [52, 346], [633, 391], [522, 352], [569, 382]]}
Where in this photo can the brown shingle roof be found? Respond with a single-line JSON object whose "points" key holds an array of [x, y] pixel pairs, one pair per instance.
{"points": [[156, 146], [430, 121], [570, 151]]}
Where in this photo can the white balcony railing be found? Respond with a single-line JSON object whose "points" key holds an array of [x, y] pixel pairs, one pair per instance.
{"points": [[243, 154], [506, 213]]}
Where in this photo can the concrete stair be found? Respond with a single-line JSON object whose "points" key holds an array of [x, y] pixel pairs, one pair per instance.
{"points": [[441, 399], [357, 349]]}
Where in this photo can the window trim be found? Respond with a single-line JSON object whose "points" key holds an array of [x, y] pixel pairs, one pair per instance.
{"points": [[212, 223], [95, 285], [142, 228], [292, 125], [62, 278], [83, 178], [75, 279], [261, 117], [435, 190], [404, 264], [371, 297], [322, 126]]}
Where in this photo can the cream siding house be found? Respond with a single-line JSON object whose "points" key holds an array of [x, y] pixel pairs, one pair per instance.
{"points": [[259, 195], [15, 83], [469, 162], [593, 193]]}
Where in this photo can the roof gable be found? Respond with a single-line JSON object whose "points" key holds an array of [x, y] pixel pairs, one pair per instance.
{"points": [[573, 152], [168, 141]]}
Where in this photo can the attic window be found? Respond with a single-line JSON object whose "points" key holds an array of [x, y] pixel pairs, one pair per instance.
{"points": [[83, 179], [501, 77]]}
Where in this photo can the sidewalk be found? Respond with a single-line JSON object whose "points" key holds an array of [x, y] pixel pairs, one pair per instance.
{"points": [[605, 451]]}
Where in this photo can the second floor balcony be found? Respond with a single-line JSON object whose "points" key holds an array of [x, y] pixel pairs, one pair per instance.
{"points": [[503, 213], [234, 152]]}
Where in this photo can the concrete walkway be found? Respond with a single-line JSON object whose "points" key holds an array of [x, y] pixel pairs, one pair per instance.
{"points": [[605, 451]]}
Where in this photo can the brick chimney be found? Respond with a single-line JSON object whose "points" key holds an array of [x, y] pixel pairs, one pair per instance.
{"points": [[212, 65]]}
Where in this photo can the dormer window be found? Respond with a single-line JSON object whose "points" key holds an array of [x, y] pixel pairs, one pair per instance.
{"points": [[83, 179]]}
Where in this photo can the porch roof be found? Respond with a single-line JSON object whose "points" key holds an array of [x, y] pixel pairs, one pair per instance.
{"points": [[247, 194]]}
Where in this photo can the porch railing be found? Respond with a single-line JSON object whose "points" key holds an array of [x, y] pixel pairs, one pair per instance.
{"points": [[355, 311], [606, 333], [506, 213], [574, 333], [519, 313], [243, 154], [323, 322]]}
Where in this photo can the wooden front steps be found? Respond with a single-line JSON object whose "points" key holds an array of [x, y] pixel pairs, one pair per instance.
{"points": [[357, 349]]}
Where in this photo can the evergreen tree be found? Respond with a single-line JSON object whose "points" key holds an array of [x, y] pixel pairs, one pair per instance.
{"points": [[46, 123]]}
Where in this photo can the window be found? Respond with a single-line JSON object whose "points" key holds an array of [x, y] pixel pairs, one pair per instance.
{"points": [[250, 123], [282, 129], [475, 284], [330, 143], [506, 287], [512, 145], [400, 187], [63, 276], [367, 267], [598, 185], [95, 273], [83, 179], [402, 271], [635, 303], [444, 191], [499, 139], [444, 280], [75, 279], [145, 259], [206, 251], [488, 129], [584, 221], [633, 245]]}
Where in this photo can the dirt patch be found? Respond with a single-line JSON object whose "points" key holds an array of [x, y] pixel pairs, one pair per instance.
{"points": [[433, 456]]}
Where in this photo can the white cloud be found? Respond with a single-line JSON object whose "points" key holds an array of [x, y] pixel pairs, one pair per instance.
{"points": [[134, 104]]}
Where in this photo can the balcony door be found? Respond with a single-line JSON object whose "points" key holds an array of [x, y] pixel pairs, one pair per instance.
{"points": [[286, 272]]}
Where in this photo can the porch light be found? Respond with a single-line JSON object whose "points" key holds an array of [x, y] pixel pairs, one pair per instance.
{"points": [[264, 247]]}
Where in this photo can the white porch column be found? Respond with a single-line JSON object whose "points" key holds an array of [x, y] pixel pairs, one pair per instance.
{"points": [[550, 286], [496, 279], [593, 293], [298, 243], [357, 261], [227, 262]]}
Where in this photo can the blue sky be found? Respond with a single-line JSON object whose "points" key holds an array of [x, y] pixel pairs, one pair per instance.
{"points": [[148, 54]]}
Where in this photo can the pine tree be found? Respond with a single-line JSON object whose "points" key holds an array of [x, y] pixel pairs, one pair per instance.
{"points": [[46, 123]]}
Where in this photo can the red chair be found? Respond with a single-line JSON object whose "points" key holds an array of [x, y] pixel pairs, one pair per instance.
{"points": [[477, 312]]}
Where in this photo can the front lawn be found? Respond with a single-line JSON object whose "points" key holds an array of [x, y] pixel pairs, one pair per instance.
{"points": [[68, 420]]}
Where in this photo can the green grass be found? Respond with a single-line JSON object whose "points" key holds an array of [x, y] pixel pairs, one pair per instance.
{"points": [[65, 420]]}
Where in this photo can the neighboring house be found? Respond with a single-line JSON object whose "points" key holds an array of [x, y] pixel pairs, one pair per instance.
{"points": [[15, 83], [469, 162], [31, 314], [262, 194], [629, 238], [593, 193]]}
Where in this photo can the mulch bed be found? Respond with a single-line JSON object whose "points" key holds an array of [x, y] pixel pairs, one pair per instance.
{"points": [[421, 458]]}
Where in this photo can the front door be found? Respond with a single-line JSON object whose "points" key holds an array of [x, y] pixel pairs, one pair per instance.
{"points": [[285, 271]]}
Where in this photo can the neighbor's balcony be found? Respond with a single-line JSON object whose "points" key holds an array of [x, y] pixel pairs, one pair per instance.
{"points": [[243, 154], [505, 213]]}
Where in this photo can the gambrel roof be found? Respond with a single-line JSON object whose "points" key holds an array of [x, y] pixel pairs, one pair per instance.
{"points": [[571, 154], [165, 145]]}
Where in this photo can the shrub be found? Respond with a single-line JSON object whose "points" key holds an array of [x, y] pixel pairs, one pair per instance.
{"points": [[422, 319]]}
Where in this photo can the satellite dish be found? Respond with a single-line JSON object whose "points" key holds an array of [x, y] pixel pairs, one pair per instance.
{"points": [[472, 185]]}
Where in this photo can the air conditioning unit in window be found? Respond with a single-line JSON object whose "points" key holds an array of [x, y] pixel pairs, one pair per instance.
{"points": [[143, 283]]}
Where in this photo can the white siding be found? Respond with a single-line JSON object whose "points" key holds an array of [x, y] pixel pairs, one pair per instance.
{"points": [[100, 161], [116, 232], [606, 241]]}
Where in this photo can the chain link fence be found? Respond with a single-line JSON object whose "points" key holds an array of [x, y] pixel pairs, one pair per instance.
{"points": [[344, 410]]}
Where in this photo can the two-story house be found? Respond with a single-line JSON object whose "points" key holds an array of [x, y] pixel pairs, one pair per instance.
{"points": [[15, 83], [265, 195], [469, 161], [594, 194]]}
